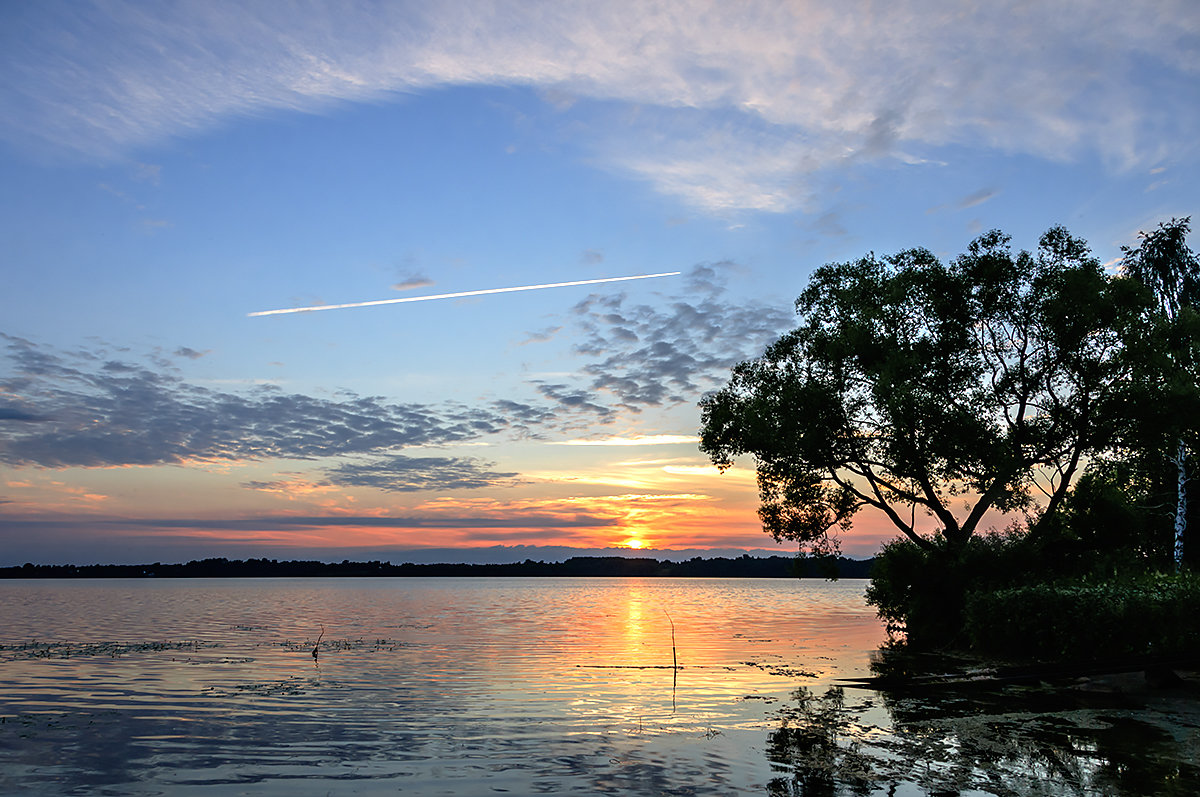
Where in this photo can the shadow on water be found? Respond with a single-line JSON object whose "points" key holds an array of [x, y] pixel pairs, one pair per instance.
{"points": [[1093, 735]]}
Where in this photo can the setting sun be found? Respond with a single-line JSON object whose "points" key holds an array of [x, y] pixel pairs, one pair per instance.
{"points": [[633, 543]]}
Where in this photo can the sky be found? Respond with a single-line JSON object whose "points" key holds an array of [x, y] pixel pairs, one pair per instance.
{"points": [[167, 169]]}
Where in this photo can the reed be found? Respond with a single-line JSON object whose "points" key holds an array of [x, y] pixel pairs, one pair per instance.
{"points": [[674, 661], [674, 657], [317, 646]]}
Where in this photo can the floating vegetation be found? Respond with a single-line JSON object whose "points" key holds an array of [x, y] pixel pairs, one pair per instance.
{"points": [[68, 650], [291, 686], [336, 645], [782, 670]]}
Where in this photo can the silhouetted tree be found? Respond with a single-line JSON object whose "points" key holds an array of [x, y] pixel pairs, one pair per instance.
{"points": [[915, 385]]}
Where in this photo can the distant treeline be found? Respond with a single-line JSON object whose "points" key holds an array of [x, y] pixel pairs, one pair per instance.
{"points": [[741, 567]]}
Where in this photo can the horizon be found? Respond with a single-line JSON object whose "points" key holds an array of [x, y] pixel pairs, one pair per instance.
{"points": [[489, 555], [172, 172], [494, 555]]}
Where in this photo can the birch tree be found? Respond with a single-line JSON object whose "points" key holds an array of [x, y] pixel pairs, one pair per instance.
{"points": [[1164, 264]]}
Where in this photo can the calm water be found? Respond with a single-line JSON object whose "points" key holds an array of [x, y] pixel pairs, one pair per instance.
{"points": [[537, 686]]}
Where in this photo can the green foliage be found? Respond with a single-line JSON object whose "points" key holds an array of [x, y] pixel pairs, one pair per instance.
{"points": [[913, 386], [1149, 614]]}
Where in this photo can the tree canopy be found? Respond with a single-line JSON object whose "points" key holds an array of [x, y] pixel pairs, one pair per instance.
{"points": [[930, 389]]}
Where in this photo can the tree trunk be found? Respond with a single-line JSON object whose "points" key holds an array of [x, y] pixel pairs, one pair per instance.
{"points": [[1181, 503]]}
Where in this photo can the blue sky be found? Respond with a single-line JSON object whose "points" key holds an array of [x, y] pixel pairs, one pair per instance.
{"points": [[166, 169]]}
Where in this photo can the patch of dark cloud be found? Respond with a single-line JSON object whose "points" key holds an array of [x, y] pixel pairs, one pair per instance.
{"points": [[882, 133], [190, 353], [591, 257], [656, 356], [522, 418], [412, 282], [830, 224], [18, 414], [977, 198], [541, 336], [575, 400], [99, 411], [403, 474]]}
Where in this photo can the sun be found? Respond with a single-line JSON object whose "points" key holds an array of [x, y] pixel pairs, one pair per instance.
{"points": [[633, 542]]}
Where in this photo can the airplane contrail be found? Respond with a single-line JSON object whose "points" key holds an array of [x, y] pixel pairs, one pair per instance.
{"points": [[462, 293]]}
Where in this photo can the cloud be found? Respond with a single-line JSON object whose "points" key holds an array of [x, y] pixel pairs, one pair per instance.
{"points": [[830, 224], [409, 474], [647, 356], [590, 257], [541, 335], [575, 399], [727, 105], [17, 414], [413, 282], [191, 354], [977, 198], [96, 411], [147, 173]]}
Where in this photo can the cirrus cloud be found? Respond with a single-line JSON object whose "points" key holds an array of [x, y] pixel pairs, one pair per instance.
{"points": [[727, 105]]}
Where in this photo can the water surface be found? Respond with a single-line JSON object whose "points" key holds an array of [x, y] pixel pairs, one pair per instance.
{"points": [[433, 686], [527, 686]]}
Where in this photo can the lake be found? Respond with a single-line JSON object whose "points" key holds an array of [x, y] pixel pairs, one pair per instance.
{"points": [[527, 686]]}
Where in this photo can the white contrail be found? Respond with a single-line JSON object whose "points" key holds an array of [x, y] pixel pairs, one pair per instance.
{"points": [[463, 293]]}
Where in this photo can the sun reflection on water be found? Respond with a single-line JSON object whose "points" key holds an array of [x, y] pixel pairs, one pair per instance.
{"points": [[416, 681]]}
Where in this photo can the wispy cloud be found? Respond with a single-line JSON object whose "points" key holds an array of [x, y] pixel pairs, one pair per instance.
{"points": [[739, 105], [977, 198]]}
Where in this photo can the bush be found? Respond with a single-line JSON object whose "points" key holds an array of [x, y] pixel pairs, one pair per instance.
{"points": [[1148, 614], [923, 591], [1101, 536]]}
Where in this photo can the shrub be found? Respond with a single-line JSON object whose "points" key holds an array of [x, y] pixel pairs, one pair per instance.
{"points": [[1147, 614], [923, 591]]}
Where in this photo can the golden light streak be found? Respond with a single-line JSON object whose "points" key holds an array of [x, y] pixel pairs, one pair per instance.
{"points": [[693, 470], [639, 440], [460, 294]]}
